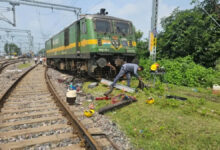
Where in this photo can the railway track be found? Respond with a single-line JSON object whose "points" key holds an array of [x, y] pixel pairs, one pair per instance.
{"points": [[5, 63], [33, 117]]}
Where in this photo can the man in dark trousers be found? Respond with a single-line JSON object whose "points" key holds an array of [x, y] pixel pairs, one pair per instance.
{"points": [[126, 69]]}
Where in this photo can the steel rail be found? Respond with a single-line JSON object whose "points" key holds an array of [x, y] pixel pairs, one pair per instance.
{"points": [[90, 142], [7, 63], [5, 95]]}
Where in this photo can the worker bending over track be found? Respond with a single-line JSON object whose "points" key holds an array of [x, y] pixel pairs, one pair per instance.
{"points": [[126, 69]]}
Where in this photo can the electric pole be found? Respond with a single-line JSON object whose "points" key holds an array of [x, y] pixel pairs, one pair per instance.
{"points": [[35, 3], [153, 32]]}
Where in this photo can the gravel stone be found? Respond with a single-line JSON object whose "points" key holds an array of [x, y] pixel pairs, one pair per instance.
{"points": [[111, 129], [7, 77]]}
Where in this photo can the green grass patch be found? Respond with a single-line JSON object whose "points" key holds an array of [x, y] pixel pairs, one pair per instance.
{"points": [[22, 66], [168, 124]]}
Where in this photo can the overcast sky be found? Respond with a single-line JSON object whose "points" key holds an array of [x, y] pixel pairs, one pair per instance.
{"points": [[44, 23]]}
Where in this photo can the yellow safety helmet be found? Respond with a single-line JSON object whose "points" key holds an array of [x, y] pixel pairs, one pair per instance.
{"points": [[154, 67], [89, 113], [150, 101]]}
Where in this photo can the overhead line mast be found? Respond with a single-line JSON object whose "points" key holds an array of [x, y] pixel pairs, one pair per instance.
{"points": [[28, 32], [14, 3], [153, 32]]}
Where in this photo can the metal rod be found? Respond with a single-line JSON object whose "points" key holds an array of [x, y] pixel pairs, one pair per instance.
{"points": [[14, 17], [14, 30], [44, 5], [33, 1]]}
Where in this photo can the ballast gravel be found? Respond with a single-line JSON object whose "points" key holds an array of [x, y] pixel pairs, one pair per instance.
{"points": [[112, 130], [33, 125], [9, 75], [36, 135]]}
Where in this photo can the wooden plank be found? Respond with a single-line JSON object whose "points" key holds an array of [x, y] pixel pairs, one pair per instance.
{"points": [[103, 142], [20, 96], [86, 121], [74, 108], [27, 102], [25, 90], [35, 141], [28, 115], [32, 106], [28, 94], [95, 130], [78, 114], [7, 124], [8, 134], [5, 111], [71, 147], [38, 89], [28, 98]]}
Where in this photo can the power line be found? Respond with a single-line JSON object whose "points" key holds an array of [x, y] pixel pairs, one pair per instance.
{"points": [[199, 4]]}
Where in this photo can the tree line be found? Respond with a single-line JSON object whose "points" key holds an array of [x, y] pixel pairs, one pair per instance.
{"points": [[190, 32], [12, 49]]}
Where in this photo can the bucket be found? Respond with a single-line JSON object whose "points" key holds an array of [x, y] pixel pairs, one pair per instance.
{"points": [[71, 97], [71, 100], [216, 89]]}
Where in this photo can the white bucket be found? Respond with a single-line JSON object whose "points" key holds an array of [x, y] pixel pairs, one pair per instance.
{"points": [[71, 93]]}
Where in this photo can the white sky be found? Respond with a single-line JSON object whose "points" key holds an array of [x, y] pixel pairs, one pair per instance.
{"points": [[44, 23]]}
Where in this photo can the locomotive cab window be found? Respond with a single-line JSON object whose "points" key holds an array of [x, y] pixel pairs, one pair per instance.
{"points": [[66, 37], [122, 27], [83, 29], [102, 26]]}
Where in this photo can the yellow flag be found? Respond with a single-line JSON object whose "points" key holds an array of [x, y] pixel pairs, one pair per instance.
{"points": [[152, 40]]}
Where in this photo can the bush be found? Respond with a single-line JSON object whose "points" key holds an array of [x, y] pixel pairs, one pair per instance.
{"points": [[183, 71]]}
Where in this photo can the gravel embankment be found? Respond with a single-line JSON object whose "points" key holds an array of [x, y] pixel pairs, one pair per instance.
{"points": [[108, 127], [9, 75]]}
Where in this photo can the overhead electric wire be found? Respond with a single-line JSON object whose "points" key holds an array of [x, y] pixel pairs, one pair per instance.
{"points": [[199, 4]]}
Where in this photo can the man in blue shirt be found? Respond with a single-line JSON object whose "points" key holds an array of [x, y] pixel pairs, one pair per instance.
{"points": [[127, 69]]}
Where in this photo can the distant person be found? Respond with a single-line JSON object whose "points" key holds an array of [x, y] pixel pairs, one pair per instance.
{"points": [[41, 60], [44, 60], [35, 60], [126, 69]]}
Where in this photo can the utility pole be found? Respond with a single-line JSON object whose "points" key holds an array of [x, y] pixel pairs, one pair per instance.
{"points": [[153, 32], [35, 3], [3, 18]]}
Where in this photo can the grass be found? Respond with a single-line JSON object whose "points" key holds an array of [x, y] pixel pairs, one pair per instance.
{"points": [[22, 66], [168, 124]]}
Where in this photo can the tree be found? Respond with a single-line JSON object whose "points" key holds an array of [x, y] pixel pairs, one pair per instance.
{"points": [[142, 45], [191, 32], [211, 6], [12, 49]]}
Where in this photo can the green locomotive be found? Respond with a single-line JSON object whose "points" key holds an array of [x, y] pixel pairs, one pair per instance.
{"points": [[95, 45]]}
